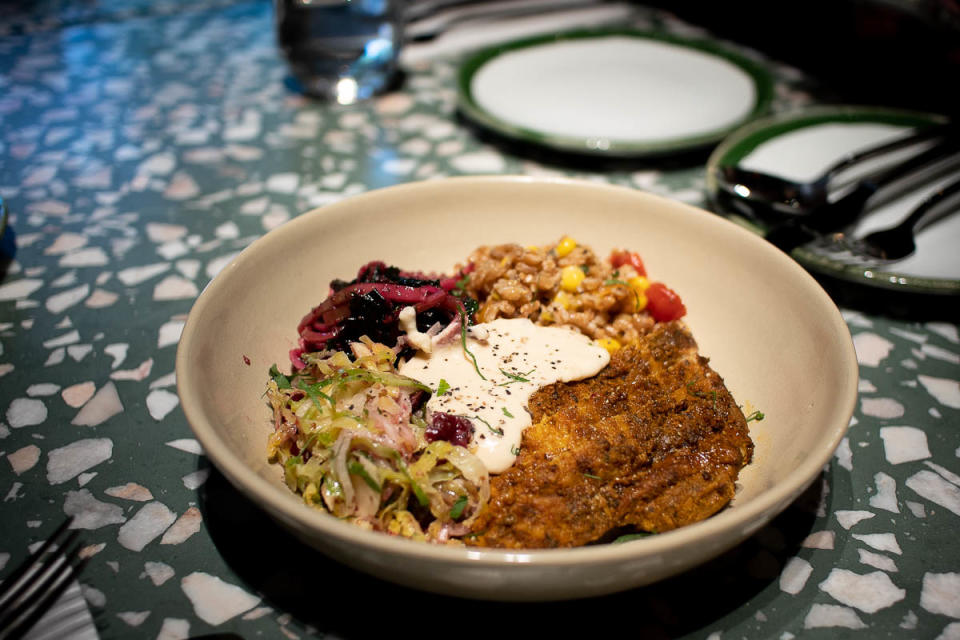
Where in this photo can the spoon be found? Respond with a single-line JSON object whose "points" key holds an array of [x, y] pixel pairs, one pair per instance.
{"points": [[790, 197], [897, 242], [790, 230]]}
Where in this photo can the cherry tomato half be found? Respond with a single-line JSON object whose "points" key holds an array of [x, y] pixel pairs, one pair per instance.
{"points": [[619, 257], [663, 303]]}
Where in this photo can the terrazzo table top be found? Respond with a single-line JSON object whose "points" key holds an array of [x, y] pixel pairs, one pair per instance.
{"points": [[143, 146]]}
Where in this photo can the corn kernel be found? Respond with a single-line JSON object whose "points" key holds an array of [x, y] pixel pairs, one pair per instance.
{"points": [[639, 283], [565, 246], [639, 301], [563, 300], [546, 316], [571, 277], [610, 344]]}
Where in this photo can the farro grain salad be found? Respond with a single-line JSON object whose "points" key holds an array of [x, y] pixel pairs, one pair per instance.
{"points": [[535, 397]]}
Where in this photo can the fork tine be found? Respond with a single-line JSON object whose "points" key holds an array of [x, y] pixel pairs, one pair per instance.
{"points": [[40, 566], [38, 582], [11, 581], [53, 587]]}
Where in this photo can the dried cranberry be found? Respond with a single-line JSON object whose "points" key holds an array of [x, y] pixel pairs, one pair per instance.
{"points": [[454, 429]]}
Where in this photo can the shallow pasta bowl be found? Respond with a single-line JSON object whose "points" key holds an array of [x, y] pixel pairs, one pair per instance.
{"points": [[766, 325]]}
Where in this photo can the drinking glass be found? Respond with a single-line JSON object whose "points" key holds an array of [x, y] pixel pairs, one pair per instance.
{"points": [[340, 50]]}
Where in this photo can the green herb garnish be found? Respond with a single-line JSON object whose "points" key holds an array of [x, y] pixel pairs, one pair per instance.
{"points": [[636, 296], [420, 495], [497, 431], [591, 476], [358, 469], [459, 289], [457, 509], [507, 413], [463, 340], [515, 377], [283, 382], [442, 387], [417, 491], [712, 394], [313, 390], [756, 415]]}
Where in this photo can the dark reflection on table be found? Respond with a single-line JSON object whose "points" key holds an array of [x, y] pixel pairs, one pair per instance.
{"points": [[897, 53], [335, 599]]}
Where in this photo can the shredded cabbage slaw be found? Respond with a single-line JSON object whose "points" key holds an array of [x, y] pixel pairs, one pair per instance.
{"points": [[351, 435]]}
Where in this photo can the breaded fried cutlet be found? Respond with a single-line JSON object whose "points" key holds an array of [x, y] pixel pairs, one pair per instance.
{"points": [[653, 442]]}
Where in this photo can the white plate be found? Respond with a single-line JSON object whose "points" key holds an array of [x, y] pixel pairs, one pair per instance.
{"points": [[613, 92], [801, 145]]}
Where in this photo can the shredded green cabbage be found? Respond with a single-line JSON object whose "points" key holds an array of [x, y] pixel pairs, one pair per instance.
{"points": [[350, 444]]}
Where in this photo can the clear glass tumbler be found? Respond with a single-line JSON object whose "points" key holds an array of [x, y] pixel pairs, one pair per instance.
{"points": [[341, 50]]}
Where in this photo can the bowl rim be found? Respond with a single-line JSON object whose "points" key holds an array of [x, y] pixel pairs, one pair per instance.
{"points": [[746, 517]]}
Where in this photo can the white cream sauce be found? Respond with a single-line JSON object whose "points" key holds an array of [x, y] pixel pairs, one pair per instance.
{"points": [[516, 357]]}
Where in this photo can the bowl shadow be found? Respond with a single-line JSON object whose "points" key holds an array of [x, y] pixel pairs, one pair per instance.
{"points": [[315, 589]]}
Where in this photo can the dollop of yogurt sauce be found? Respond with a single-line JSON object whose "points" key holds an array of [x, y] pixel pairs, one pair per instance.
{"points": [[515, 357]]}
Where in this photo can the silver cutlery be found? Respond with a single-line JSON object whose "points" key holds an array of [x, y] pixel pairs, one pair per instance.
{"points": [[789, 196], [788, 231], [897, 242], [36, 584]]}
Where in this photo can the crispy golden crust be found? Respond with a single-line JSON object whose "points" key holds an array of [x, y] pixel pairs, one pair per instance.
{"points": [[655, 441]]}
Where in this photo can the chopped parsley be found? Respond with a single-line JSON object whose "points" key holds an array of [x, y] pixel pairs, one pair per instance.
{"points": [[507, 413], [463, 340], [497, 431], [615, 281], [457, 509], [442, 387], [313, 390], [515, 377], [283, 382], [756, 415], [612, 281], [712, 394]]}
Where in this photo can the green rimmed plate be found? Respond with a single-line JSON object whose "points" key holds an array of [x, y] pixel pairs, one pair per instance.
{"points": [[613, 92], [801, 144]]}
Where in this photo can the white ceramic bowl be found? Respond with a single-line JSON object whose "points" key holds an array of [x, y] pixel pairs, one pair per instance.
{"points": [[766, 325]]}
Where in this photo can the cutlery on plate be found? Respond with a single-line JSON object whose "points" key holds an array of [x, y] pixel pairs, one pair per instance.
{"points": [[37, 583], [896, 242], [788, 231], [793, 197]]}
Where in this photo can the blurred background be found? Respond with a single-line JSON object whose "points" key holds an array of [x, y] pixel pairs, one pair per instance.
{"points": [[898, 53]]}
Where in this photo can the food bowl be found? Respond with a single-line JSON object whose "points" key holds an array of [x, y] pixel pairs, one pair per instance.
{"points": [[766, 325]]}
